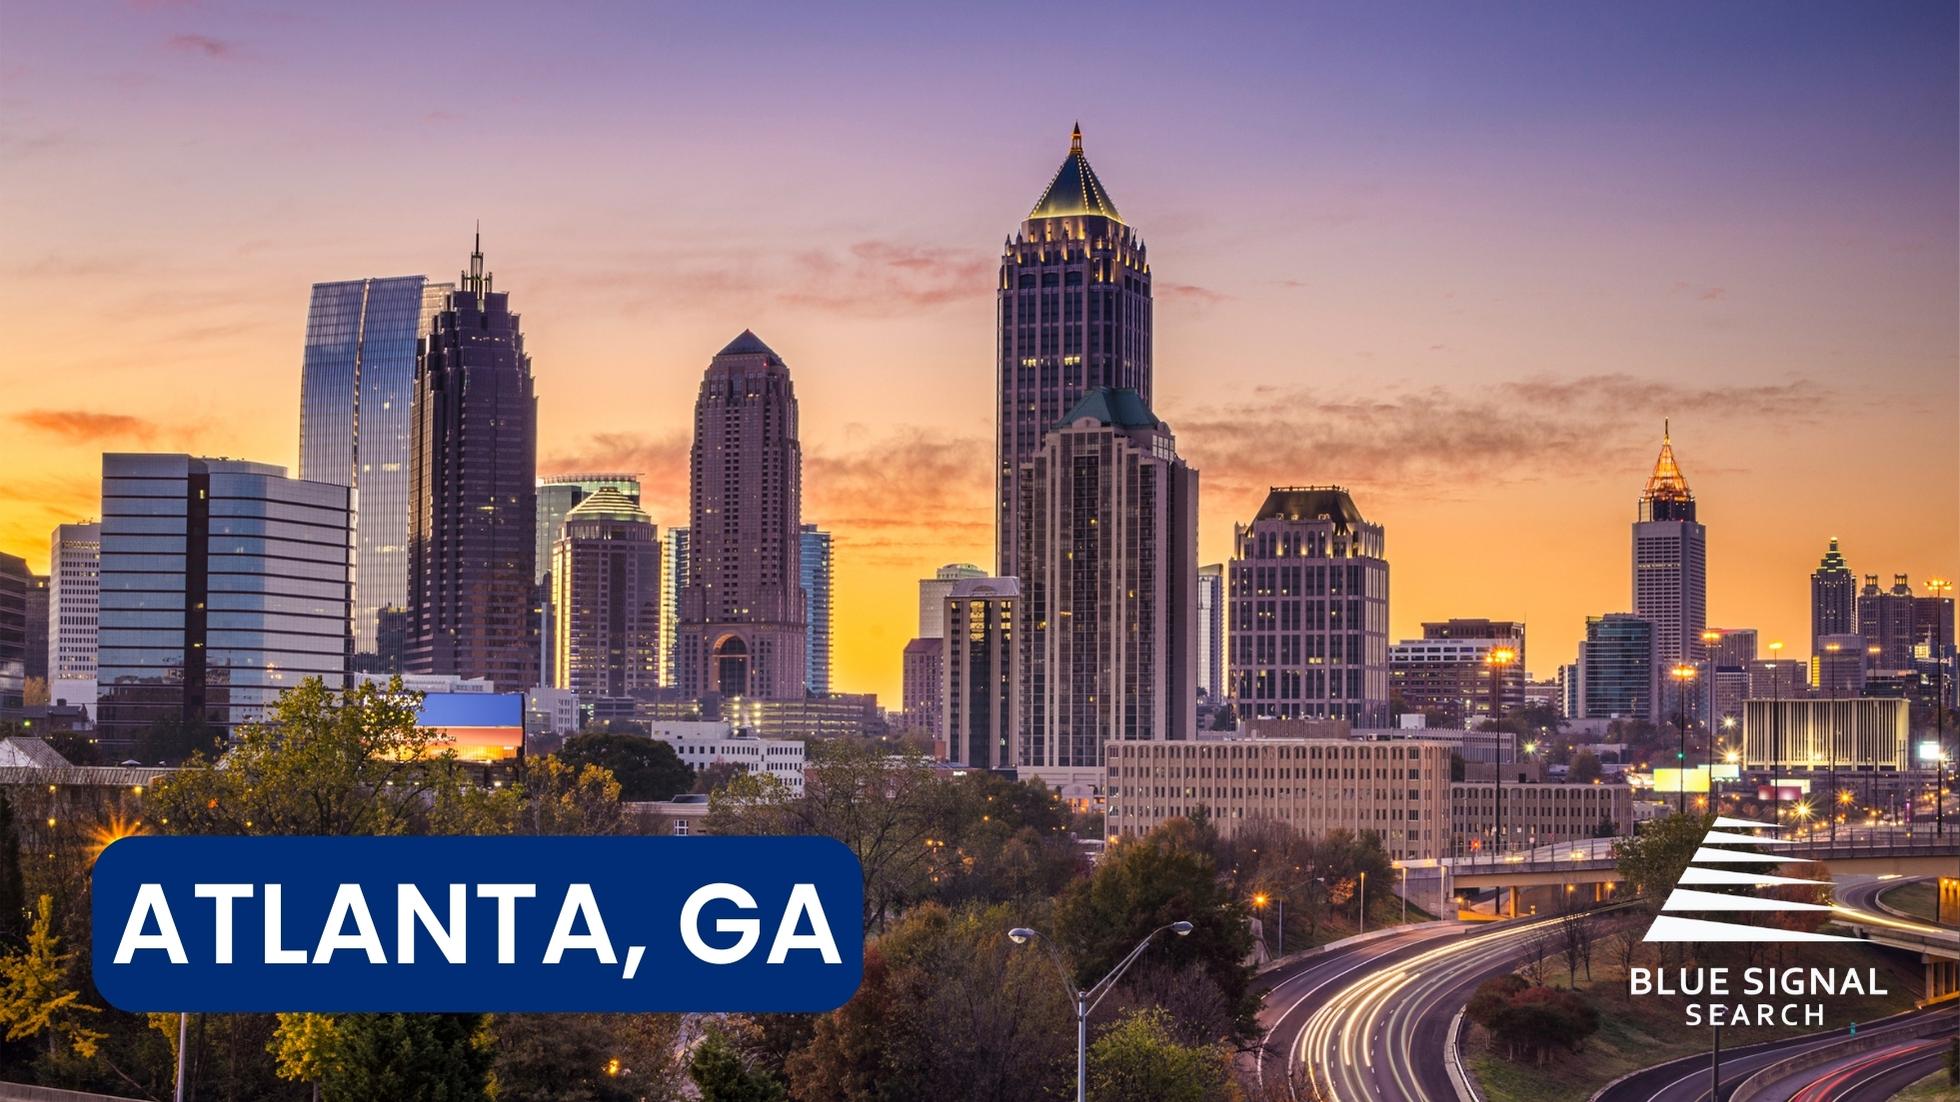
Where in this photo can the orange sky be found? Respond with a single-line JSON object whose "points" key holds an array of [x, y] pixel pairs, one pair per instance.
{"points": [[1465, 276]]}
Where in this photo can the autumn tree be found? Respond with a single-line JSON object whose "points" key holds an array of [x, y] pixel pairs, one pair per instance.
{"points": [[1656, 856], [38, 996], [357, 1057], [584, 1058]]}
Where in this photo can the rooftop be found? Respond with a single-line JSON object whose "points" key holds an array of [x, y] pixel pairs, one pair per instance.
{"points": [[1119, 407], [1667, 483], [748, 344], [608, 502], [1311, 503], [1075, 189]]}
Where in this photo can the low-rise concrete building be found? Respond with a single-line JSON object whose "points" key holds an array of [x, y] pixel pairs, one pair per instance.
{"points": [[1535, 814], [780, 758]]}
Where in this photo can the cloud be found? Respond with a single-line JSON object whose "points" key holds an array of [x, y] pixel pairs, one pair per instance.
{"points": [[878, 278], [1190, 292], [204, 45], [1699, 294], [86, 426]]}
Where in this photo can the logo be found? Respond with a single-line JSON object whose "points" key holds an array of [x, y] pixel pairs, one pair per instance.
{"points": [[1718, 862]]}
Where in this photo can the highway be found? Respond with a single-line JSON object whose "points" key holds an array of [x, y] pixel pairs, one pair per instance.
{"points": [[1686, 1079], [1861, 1077]]}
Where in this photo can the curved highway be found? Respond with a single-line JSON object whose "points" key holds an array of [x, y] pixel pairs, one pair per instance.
{"points": [[1861, 1077], [1686, 1079]]}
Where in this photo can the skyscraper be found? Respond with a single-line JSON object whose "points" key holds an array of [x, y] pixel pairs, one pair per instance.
{"points": [[1211, 632], [1885, 620], [673, 562], [605, 597], [74, 561], [1109, 609], [556, 497], [223, 584], [14, 581], [814, 571], [922, 671], [356, 423], [1619, 673], [742, 627], [473, 493], [1308, 594], [933, 592], [978, 689], [1670, 563], [1074, 302], [36, 656], [1833, 598]]}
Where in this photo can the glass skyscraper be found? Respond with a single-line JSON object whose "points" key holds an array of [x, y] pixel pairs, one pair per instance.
{"points": [[557, 496], [357, 389], [814, 565], [223, 584]]}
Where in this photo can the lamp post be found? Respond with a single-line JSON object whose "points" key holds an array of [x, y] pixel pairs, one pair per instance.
{"points": [[1087, 1000], [1259, 901], [1683, 674], [1498, 659], [1364, 902]]}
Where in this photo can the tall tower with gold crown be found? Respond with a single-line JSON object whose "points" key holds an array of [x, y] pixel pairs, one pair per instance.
{"points": [[1670, 562]]}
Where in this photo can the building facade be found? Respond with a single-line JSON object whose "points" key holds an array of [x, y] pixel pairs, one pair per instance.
{"points": [[605, 598], [815, 570], [473, 494], [15, 579], [1109, 631], [742, 629], [978, 689], [782, 759], [1211, 632], [1887, 620], [1833, 598], [1841, 665], [1308, 599], [560, 494], [1862, 734], [1074, 314], [923, 670], [356, 429], [1670, 563], [74, 568], [933, 592], [223, 584], [674, 562], [1447, 672], [1619, 668], [1399, 788], [1536, 815]]}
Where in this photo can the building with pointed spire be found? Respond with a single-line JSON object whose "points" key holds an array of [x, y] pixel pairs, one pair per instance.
{"points": [[1833, 599], [1670, 562], [1109, 605], [605, 597], [1074, 314], [742, 629], [473, 493]]}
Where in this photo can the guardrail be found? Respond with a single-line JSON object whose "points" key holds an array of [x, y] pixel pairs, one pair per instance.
{"points": [[1466, 1086], [1750, 1088], [27, 1092]]}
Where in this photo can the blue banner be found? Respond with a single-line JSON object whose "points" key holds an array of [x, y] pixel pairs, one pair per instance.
{"points": [[478, 924]]}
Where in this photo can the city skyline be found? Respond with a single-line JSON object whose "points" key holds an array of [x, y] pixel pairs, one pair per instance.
{"points": [[1485, 356]]}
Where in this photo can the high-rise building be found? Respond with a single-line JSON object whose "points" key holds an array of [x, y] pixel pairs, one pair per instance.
{"points": [[223, 584], [1886, 622], [1074, 301], [923, 670], [1733, 648], [814, 570], [1833, 598], [473, 493], [14, 581], [674, 562], [1109, 605], [1841, 665], [933, 592], [742, 630], [1670, 563], [1447, 672], [36, 642], [558, 494], [1309, 610], [605, 597], [356, 424], [1211, 632], [978, 689], [74, 561], [1619, 671]]}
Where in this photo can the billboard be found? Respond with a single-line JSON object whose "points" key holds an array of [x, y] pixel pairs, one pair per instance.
{"points": [[1681, 780], [479, 727]]}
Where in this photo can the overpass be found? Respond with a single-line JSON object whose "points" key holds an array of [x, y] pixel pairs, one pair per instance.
{"points": [[1877, 853]]}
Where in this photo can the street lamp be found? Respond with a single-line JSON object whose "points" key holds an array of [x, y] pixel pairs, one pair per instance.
{"points": [[1259, 901], [1498, 659], [1683, 673], [1087, 1000]]}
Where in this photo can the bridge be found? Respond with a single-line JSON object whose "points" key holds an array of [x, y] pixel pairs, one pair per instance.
{"points": [[1864, 852]]}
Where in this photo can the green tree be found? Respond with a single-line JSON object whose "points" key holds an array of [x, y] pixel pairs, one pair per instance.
{"points": [[1138, 1061], [583, 1057], [722, 1075], [13, 890], [647, 768], [356, 1057], [1654, 858], [1529, 1021], [1584, 768], [37, 998]]}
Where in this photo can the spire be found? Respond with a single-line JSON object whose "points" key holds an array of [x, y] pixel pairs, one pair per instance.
{"points": [[1075, 190], [1667, 483], [475, 280], [1075, 140], [1833, 560]]}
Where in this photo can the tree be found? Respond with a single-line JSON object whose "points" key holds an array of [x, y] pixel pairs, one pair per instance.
{"points": [[1585, 768], [583, 1057], [1138, 1061], [1575, 938], [13, 890], [715, 776], [721, 1075], [647, 768], [35, 997], [1654, 858], [355, 1057], [174, 738], [1528, 1021]]}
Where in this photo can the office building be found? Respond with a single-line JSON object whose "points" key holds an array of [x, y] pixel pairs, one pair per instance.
{"points": [[605, 598], [1833, 598], [223, 583], [815, 570], [1535, 814], [1074, 315], [1308, 595], [978, 691], [557, 497], [674, 563], [923, 671], [1398, 788], [1670, 563], [1778, 679], [15, 580], [1859, 734], [1211, 633], [1619, 671], [838, 715], [712, 744], [36, 633], [356, 429], [1841, 665], [742, 629], [473, 493], [1448, 673], [74, 562], [1887, 621], [933, 592], [1109, 604]]}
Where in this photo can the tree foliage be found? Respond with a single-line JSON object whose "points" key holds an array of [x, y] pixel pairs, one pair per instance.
{"points": [[1530, 1021], [722, 1074], [583, 1058], [1655, 857], [1138, 1060], [356, 1057], [39, 997], [646, 768]]}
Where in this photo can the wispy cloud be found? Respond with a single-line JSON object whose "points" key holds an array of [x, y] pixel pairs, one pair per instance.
{"points": [[885, 277], [202, 45], [86, 426]]}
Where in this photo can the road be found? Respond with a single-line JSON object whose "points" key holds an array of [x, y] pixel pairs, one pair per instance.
{"points": [[1380, 1033], [1861, 1077], [1686, 1079]]}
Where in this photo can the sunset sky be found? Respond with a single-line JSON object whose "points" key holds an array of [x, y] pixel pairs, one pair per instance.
{"points": [[1462, 259]]}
